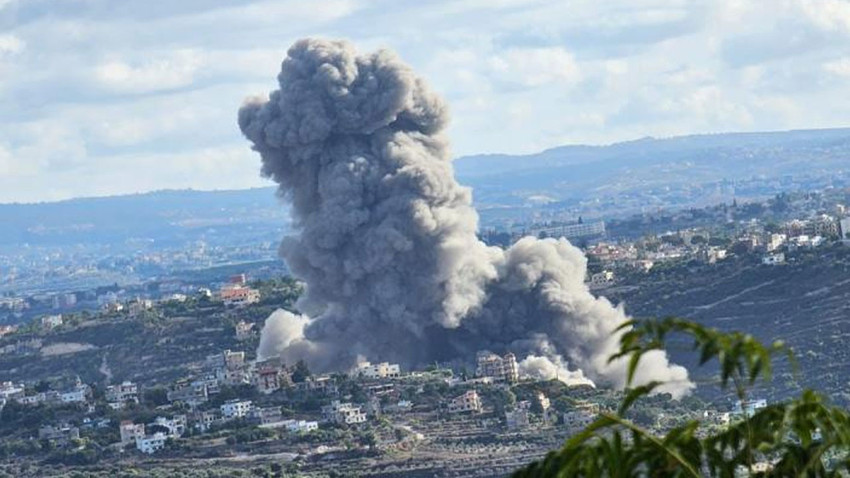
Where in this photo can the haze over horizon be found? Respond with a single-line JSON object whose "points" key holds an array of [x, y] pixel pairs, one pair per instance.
{"points": [[100, 98]]}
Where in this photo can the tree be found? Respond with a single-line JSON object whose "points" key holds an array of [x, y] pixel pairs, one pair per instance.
{"points": [[803, 437], [301, 372]]}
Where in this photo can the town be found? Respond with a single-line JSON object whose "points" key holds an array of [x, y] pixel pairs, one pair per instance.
{"points": [[80, 391]]}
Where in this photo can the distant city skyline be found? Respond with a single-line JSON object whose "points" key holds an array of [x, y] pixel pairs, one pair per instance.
{"points": [[103, 97]]}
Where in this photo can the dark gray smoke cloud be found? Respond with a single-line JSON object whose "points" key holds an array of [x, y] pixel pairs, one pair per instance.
{"points": [[387, 243]]}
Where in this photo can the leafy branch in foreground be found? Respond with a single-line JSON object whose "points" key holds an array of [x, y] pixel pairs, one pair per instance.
{"points": [[803, 437]]}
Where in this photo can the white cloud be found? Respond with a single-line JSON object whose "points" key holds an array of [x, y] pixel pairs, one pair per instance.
{"points": [[10, 44], [840, 67], [108, 92], [536, 66], [172, 70]]}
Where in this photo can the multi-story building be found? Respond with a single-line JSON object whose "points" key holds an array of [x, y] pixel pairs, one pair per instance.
{"points": [[175, 426], [152, 443], [130, 431], [378, 370], [235, 409], [503, 369], [580, 417], [343, 413], [192, 393], [237, 295], [121, 394], [468, 402], [244, 330]]}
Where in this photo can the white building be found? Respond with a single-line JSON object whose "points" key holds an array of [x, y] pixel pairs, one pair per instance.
{"points": [[75, 395], [51, 321], [773, 259], [151, 444], [776, 241], [602, 278], [347, 413], [236, 409], [503, 369], [379, 370], [175, 426], [300, 426], [749, 407], [118, 395], [468, 402]]}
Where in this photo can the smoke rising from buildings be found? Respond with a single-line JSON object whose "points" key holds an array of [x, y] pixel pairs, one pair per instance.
{"points": [[386, 239]]}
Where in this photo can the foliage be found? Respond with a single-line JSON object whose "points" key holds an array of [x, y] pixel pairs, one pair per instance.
{"points": [[301, 372], [803, 437]]}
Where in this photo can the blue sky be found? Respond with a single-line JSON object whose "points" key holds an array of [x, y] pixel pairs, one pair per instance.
{"points": [[102, 97]]}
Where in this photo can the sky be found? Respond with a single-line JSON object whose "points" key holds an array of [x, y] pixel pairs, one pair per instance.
{"points": [[103, 97]]}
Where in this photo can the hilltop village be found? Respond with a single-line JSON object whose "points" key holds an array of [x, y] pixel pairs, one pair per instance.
{"points": [[150, 380]]}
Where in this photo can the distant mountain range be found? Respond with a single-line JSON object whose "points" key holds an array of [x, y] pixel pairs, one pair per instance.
{"points": [[597, 180], [587, 172]]}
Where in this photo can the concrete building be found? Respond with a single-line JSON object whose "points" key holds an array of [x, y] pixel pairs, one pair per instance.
{"points": [[151, 444], [174, 426], [517, 419], [51, 321], [300, 426], [748, 407], [469, 402], [191, 393], [379, 370], [235, 409], [60, 436], [130, 431], [773, 259], [343, 413], [237, 295], [244, 330], [121, 394], [502, 369]]}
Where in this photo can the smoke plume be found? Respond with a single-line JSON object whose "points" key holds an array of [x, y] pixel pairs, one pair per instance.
{"points": [[387, 242]]}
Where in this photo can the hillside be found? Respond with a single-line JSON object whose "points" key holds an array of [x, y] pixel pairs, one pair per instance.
{"points": [[805, 303]]}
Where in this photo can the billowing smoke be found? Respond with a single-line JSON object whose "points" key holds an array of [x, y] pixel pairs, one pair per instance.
{"points": [[386, 239]]}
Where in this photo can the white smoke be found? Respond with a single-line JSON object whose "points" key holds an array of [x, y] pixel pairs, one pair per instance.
{"points": [[386, 236]]}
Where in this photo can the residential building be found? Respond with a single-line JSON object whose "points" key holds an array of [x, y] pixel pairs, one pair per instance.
{"points": [[77, 394], [130, 431], [235, 409], [380, 370], [516, 419], [602, 279], [267, 415], [244, 330], [468, 402], [268, 378], [748, 407], [119, 395], [300, 426], [175, 426], [60, 436], [238, 295], [503, 369], [51, 321], [773, 259], [152, 443], [343, 413], [191, 393]]}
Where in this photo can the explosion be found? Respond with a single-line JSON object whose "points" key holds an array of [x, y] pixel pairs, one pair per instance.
{"points": [[386, 237]]}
